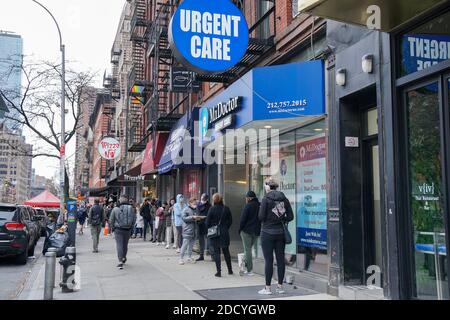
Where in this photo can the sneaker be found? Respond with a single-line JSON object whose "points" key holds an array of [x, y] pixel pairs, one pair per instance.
{"points": [[178, 250], [181, 262], [163, 243], [190, 260], [167, 247], [230, 272], [280, 290], [174, 247], [158, 244], [120, 266], [248, 273], [124, 260], [218, 275], [265, 291], [201, 258]]}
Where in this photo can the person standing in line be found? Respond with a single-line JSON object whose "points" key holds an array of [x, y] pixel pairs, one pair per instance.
{"points": [[145, 213], [96, 218], [172, 218], [161, 223], [82, 214], [178, 212], [139, 226], [123, 218], [190, 231], [220, 215], [168, 221], [202, 211], [250, 229], [274, 213], [155, 220], [108, 210]]}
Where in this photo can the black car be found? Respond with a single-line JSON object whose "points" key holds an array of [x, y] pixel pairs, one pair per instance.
{"points": [[35, 219], [41, 217], [18, 233]]}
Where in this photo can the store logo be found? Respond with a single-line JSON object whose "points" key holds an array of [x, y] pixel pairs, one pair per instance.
{"points": [[302, 152], [109, 148], [208, 36], [204, 122]]}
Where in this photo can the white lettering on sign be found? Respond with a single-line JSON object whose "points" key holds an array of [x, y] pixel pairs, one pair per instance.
{"points": [[207, 23], [428, 51]]}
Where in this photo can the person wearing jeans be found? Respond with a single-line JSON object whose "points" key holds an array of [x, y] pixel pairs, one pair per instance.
{"points": [[168, 220], [189, 230], [202, 210], [274, 212], [249, 229], [178, 208]]}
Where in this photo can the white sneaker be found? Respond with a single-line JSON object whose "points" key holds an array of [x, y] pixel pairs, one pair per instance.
{"points": [[265, 291], [190, 260], [158, 244], [163, 243], [248, 274], [174, 247], [167, 247], [178, 250], [280, 290], [181, 262]]}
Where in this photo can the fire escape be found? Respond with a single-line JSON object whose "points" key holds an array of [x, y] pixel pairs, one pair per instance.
{"points": [[138, 84], [161, 55]]}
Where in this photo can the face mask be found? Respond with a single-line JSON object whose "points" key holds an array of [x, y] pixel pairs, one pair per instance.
{"points": [[267, 188]]}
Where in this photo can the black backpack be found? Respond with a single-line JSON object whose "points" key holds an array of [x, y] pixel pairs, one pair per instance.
{"points": [[96, 215]]}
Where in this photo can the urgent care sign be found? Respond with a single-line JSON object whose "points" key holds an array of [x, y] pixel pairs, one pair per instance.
{"points": [[109, 148], [208, 36]]}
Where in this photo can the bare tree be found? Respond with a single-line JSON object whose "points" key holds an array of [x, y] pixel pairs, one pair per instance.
{"points": [[37, 106]]}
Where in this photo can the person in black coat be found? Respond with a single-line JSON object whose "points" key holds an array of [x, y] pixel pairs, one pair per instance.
{"points": [[220, 215], [202, 211], [249, 229]]}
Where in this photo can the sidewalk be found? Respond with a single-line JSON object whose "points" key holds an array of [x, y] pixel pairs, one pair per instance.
{"points": [[151, 273]]}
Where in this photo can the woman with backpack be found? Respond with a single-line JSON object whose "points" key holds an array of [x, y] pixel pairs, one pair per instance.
{"points": [[218, 222], [275, 212]]}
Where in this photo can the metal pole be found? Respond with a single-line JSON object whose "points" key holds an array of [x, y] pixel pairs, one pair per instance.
{"points": [[63, 109], [54, 274], [50, 268]]}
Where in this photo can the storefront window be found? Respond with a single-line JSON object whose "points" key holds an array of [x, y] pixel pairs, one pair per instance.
{"points": [[426, 45], [312, 198]]}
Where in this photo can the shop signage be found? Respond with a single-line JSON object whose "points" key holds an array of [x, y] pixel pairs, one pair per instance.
{"points": [[109, 148], [421, 51], [351, 142], [183, 80], [208, 36], [221, 115], [312, 200], [134, 178]]}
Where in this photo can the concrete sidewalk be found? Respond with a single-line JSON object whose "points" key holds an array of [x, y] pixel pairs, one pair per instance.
{"points": [[151, 273]]}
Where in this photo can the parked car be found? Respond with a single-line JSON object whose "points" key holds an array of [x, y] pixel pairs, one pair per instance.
{"points": [[35, 220], [18, 233], [41, 216]]}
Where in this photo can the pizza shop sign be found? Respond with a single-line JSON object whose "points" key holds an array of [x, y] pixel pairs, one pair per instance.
{"points": [[109, 148], [208, 36]]}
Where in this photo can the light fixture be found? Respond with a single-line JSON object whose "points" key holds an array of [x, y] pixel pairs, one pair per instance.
{"points": [[341, 77], [318, 129], [154, 176], [267, 127], [367, 63]]}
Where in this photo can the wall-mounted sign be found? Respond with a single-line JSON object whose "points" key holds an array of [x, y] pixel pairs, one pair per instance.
{"points": [[208, 36], [109, 148], [134, 178], [351, 142], [220, 116], [183, 80]]}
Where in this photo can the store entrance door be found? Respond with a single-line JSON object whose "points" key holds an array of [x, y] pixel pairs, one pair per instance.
{"points": [[427, 119]]}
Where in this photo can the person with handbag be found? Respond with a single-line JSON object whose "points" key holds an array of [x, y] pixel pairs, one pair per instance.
{"points": [[275, 213], [218, 222]]}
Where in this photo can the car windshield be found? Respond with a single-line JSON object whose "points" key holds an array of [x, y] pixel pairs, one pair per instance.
{"points": [[7, 214]]}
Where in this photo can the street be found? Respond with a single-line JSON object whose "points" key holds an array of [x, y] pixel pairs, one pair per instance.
{"points": [[13, 277], [151, 273]]}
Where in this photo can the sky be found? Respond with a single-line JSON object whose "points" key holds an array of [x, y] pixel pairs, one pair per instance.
{"points": [[88, 28]]}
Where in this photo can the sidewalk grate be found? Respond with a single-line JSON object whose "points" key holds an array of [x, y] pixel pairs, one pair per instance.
{"points": [[251, 293]]}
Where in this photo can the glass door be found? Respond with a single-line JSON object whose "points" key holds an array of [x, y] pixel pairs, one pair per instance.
{"points": [[426, 191]]}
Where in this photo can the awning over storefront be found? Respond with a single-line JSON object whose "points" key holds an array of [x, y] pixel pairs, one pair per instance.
{"points": [[392, 13], [181, 140], [153, 153], [96, 192], [129, 178]]}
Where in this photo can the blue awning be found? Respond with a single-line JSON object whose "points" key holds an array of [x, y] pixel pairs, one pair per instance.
{"points": [[181, 138]]}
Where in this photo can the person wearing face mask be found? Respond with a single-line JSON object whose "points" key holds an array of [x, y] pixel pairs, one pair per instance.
{"points": [[190, 230], [202, 211], [177, 213], [274, 213]]}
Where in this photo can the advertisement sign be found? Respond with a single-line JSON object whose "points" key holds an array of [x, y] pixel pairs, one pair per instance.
{"points": [[109, 148], [312, 193], [208, 36], [421, 51]]}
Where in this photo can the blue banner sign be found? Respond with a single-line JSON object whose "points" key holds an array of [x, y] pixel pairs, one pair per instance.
{"points": [[208, 36], [421, 51]]}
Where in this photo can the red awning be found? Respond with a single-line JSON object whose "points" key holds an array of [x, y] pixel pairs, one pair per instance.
{"points": [[149, 165], [44, 200]]}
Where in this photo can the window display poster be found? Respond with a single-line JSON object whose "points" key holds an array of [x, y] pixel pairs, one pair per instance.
{"points": [[312, 193], [286, 178]]}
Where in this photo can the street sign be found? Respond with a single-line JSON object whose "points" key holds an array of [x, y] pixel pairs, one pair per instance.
{"points": [[63, 150], [208, 36], [183, 80]]}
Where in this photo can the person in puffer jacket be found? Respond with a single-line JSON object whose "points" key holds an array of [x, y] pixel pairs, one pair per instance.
{"points": [[274, 213], [177, 215], [190, 230]]}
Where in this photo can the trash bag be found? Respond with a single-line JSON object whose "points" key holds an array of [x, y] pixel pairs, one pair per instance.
{"points": [[60, 241], [50, 228]]}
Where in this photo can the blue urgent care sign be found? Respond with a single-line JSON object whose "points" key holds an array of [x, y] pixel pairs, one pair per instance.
{"points": [[208, 36]]}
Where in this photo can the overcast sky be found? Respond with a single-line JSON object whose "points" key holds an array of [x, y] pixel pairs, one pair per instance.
{"points": [[88, 28]]}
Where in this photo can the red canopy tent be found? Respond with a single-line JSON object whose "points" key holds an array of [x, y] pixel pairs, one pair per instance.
{"points": [[44, 200]]}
